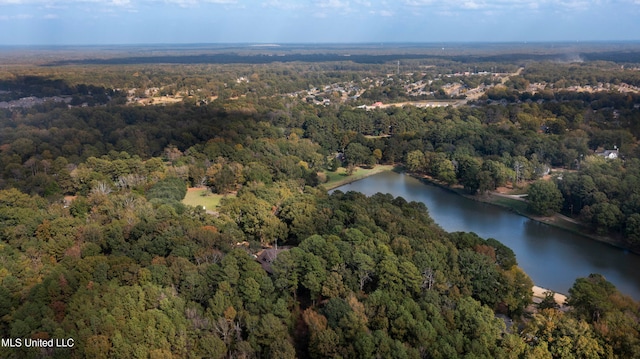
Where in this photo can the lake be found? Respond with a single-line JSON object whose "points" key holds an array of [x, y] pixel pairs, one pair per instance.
{"points": [[551, 256]]}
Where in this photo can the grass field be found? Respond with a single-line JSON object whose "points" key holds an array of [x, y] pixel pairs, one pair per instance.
{"points": [[203, 197], [339, 177]]}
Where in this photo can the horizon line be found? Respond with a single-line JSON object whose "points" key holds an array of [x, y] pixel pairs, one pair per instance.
{"points": [[314, 43]]}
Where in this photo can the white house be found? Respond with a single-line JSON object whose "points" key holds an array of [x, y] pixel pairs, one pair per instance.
{"points": [[609, 154]]}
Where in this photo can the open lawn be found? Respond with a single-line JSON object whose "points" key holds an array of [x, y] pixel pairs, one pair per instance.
{"points": [[339, 177], [203, 197]]}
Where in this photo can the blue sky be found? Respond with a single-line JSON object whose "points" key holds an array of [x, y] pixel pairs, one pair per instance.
{"points": [[86, 22]]}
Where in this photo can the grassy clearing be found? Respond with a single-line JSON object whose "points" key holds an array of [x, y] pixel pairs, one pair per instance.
{"points": [[203, 197], [573, 227], [372, 137], [339, 177], [515, 205]]}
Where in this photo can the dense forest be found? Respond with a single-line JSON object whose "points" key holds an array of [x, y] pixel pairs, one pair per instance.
{"points": [[98, 245]]}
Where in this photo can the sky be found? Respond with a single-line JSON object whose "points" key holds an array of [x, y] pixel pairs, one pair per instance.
{"points": [[100, 22]]}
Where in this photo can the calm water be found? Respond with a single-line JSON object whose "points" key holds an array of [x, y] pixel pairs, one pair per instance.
{"points": [[552, 257]]}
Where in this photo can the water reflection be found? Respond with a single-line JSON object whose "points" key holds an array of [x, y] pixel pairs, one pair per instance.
{"points": [[552, 257]]}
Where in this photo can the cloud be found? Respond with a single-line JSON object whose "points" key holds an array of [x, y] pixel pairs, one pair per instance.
{"points": [[318, 9], [115, 2], [500, 5], [191, 3], [283, 5], [343, 5], [472, 5], [63, 3], [576, 4], [383, 13], [484, 10], [16, 17], [419, 2], [335, 4], [201, 2], [368, 3]]}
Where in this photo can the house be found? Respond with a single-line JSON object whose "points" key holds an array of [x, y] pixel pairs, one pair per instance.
{"points": [[266, 256], [609, 154]]}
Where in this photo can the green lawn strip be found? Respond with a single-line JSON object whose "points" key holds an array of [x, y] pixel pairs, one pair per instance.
{"points": [[574, 227], [515, 205], [203, 197], [339, 177]]}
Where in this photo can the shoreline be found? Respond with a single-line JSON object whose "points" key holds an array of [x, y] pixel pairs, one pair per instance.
{"points": [[544, 220], [558, 217], [356, 177]]}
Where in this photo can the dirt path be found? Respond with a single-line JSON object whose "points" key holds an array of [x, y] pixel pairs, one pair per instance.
{"points": [[508, 77], [568, 219], [426, 103], [517, 197]]}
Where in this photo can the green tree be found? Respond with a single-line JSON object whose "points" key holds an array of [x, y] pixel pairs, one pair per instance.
{"points": [[358, 154], [590, 297], [256, 218], [518, 287], [377, 154], [483, 276], [323, 341], [440, 166], [479, 327], [632, 229], [606, 217], [468, 173], [544, 197], [223, 181], [415, 161]]}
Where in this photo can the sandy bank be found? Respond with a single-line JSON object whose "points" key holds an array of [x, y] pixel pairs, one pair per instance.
{"points": [[539, 294]]}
